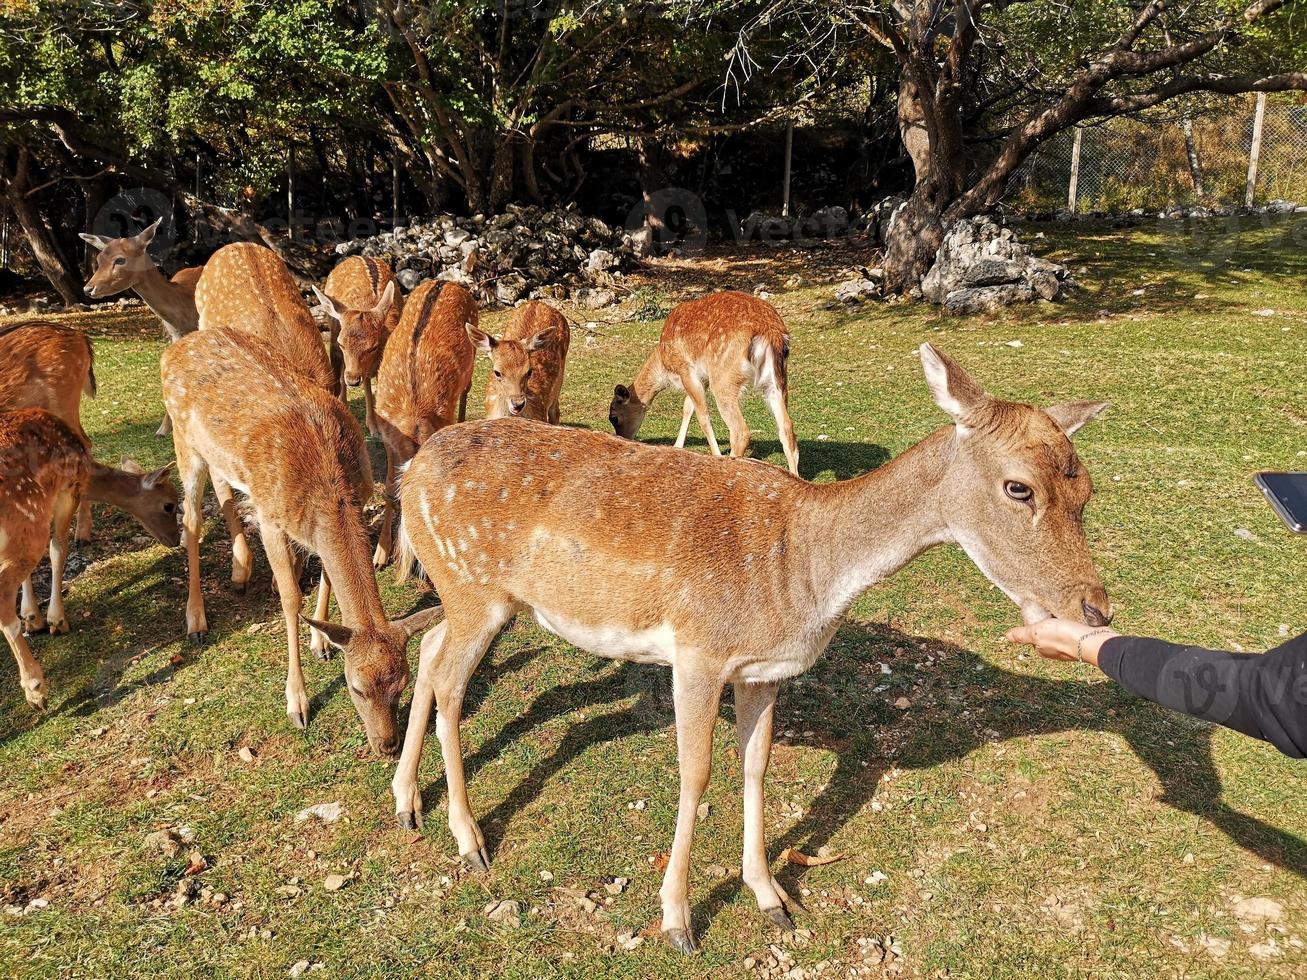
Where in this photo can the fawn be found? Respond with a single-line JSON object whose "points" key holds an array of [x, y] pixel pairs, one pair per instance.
{"points": [[526, 363]]}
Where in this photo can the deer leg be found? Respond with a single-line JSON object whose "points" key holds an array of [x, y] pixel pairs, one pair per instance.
{"points": [[777, 401], [462, 407], [694, 391], [317, 639], [728, 404], [33, 618], [404, 785], [65, 508], [165, 427], [369, 407], [696, 696], [277, 547], [83, 531], [687, 413], [386, 540], [755, 706], [194, 475], [30, 676], [242, 562]]}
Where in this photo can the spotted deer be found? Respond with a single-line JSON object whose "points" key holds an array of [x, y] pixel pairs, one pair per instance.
{"points": [[426, 373], [247, 287], [243, 414], [726, 571], [526, 363], [125, 263], [361, 300], [44, 469], [728, 341], [48, 366]]}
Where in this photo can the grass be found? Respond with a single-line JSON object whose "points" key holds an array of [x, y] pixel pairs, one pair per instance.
{"points": [[1030, 818]]}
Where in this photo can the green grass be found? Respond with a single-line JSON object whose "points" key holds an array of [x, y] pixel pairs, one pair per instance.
{"points": [[1115, 834]]}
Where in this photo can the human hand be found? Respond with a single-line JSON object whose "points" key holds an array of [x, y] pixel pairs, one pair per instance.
{"points": [[1063, 639]]}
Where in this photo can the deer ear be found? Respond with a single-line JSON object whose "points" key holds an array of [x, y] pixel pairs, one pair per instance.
{"points": [[132, 467], [621, 394], [147, 236], [387, 297], [542, 338], [1072, 416], [418, 621], [329, 305], [152, 481], [337, 634], [954, 391], [97, 242], [480, 339]]}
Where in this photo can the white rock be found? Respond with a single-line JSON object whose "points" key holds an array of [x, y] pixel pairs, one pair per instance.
{"points": [[326, 812]]}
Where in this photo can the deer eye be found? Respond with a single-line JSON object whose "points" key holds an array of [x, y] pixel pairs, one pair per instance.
{"points": [[498, 375], [169, 508], [1017, 491], [120, 261]]}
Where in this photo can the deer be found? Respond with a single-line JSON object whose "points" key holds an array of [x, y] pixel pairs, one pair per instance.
{"points": [[362, 304], [244, 414], [526, 363], [44, 469], [125, 263], [48, 366], [247, 287], [425, 377], [726, 571], [726, 342]]}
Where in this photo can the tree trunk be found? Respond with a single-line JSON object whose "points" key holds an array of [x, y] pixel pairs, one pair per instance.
{"points": [[653, 178], [45, 247]]}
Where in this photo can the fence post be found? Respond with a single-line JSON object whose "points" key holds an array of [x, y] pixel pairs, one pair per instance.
{"points": [[1073, 187], [789, 154], [1255, 151]]}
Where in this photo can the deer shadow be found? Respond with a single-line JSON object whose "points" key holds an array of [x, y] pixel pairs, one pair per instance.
{"points": [[841, 713]]}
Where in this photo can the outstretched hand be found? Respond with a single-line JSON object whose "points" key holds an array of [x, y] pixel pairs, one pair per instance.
{"points": [[1062, 639]]}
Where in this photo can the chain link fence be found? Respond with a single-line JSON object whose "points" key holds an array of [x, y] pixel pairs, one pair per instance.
{"points": [[1216, 156]]}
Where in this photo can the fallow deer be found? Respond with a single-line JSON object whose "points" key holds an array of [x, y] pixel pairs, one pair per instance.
{"points": [[361, 299], [426, 373], [728, 341], [725, 571], [48, 366], [125, 263], [242, 413], [247, 287], [44, 468], [526, 363]]}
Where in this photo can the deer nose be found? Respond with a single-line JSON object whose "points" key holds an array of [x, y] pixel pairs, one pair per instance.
{"points": [[516, 405], [1095, 616], [389, 747]]}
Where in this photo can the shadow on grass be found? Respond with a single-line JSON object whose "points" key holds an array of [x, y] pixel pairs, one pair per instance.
{"points": [[840, 460], [839, 712]]}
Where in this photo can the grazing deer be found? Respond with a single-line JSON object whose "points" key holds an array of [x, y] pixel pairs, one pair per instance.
{"points": [[243, 414], [727, 341], [727, 572], [247, 287], [125, 263], [362, 304], [49, 366], [426, 373], [526, 363], [44, 468]]}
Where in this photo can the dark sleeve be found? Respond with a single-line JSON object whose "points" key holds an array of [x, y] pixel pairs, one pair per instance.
{"points": [[1263, 696]]}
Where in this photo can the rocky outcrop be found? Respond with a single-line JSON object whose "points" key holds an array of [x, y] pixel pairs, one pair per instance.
{"points": [[525, 253], [982, 266]]}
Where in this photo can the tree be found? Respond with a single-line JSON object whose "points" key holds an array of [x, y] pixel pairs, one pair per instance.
{"points": [[1008, 75]]}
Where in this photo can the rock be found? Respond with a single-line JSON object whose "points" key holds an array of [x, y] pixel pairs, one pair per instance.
{"points": [[596, 298], [1258, 909], [601, 260], [617, 886], [410, 279], [507, 913], [299, 969], [857, 291], [457, 236], [334, 882], [326, 812], [902, 704], [165, 842], [982, 266], [987, 299], [246, 754]]}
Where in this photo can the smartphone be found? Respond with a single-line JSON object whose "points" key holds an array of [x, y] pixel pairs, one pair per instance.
{"points": [[1287, 494]]}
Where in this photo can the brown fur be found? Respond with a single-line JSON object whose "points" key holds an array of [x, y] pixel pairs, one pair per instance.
{"points": [[362, 319], [527, 364], [244, 416], [125, 263], [50, 366], [425, 376], [725, 570], [44, 469], [248, 287], [727, 341]]}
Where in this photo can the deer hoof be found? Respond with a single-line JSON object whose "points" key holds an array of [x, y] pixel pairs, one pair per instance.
{"points": [[406, 820], [477, 860], [779, 918], [324, 653], [56, 628], [199, 637], [239, 587], [33, 624], [681, 940]]}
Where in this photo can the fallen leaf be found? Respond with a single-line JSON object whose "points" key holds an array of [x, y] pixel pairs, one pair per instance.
{"points": [[196, 864], [660, 861], [808, 861]]}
